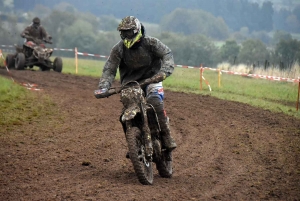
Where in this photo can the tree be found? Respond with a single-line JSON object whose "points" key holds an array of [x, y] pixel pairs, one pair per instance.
{"points": [[80, 34], [253, 51], [288, 52], [105, 41], [266, 21], [57, 22], [190, 50], [108, 23], [293, 24], [281, 35], [195, 22], [279, 19], [229, 51], [8, 36], [261, 35], [296, 11]]}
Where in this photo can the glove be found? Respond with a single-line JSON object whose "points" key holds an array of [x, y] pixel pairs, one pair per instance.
{"points": [[103, 84], [158, 77], [155, 79], [101, 93]]}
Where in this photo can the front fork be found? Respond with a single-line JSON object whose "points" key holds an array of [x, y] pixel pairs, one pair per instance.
{"points": [[146, 134]]}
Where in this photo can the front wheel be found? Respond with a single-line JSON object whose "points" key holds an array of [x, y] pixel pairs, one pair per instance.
{"points": [[20, 61], [142, 167], [57, 64]]}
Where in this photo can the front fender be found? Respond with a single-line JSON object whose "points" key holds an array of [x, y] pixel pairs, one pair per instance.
{"points": [[130, 113]]}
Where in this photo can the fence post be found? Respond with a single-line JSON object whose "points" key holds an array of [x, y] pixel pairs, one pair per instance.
{"points": [[219, 76], [201, 75], [297, 105], [76, 61]]}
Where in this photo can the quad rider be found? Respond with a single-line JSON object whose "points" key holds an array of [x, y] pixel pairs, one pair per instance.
{"points": [[145, 59], [35, 31]]}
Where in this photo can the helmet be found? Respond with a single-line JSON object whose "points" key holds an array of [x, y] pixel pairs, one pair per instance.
{"points": [[130, 30], [36, 22]]}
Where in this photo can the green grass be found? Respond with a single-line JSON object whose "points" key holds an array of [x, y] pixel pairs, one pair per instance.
{"points": [[272, 95], [18, 105], [87, 67]]}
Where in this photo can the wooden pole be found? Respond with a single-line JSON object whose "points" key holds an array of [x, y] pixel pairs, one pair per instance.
{"points": [[201, 75], [219, 77], [76, 60], [297, 106]]}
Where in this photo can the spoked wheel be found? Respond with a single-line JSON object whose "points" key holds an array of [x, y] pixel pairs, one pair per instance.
{"points": [[142, 167], [164, 165]]}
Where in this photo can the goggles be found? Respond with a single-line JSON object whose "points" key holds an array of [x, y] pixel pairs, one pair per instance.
{"points": [[127, 34]]}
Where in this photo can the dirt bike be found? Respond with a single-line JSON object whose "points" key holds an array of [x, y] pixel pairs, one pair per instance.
{"points": [[33, 53], [142, 130]]}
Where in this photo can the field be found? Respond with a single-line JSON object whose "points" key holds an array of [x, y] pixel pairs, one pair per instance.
{"points": [[60, 143]]}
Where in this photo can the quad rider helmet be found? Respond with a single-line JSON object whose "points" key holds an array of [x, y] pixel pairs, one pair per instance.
{"points": [[36, 22], [130, 30]]}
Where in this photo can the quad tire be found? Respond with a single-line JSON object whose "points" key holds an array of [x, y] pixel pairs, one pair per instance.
{"points": [[10, 62], [57, 64], [20, 61]]}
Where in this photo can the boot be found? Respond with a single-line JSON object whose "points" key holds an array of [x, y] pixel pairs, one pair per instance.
{"points": [[167, 140]]}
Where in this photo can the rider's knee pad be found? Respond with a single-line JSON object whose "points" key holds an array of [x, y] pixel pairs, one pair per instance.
{"points": [[155, 100]]}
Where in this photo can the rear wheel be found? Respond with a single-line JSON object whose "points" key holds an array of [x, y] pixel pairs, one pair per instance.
{"points": [[9, 60], [57, 64], [142, 167], [20, 61]]}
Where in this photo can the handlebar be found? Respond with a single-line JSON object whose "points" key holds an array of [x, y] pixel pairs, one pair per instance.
{"points": [[36, 40], [104, 93]]}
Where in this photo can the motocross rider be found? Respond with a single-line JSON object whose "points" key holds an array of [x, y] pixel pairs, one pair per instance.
{"points": [[144, 59], [36, 30]]}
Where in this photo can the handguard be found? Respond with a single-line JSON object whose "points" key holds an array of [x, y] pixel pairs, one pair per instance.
{"points": [[105, 93], [101, 93]]}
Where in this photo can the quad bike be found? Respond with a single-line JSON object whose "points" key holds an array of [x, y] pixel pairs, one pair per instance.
{"points": [[142, 131], [33, 53]]}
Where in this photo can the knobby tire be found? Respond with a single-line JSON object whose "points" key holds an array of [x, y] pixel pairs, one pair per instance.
{"points": [[142, 167]]}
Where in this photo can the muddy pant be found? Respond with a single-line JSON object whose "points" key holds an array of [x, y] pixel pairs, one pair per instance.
{"points": [[155, 96]]}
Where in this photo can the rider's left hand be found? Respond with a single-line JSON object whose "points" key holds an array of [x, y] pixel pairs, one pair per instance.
{"points": [[101, 93]]}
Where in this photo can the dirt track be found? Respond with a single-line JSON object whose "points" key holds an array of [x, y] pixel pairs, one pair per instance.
{"points": [[226, 150]]}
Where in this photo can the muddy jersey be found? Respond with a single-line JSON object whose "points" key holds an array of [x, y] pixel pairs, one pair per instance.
{"points": [[39, 33], [138, 63]]}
